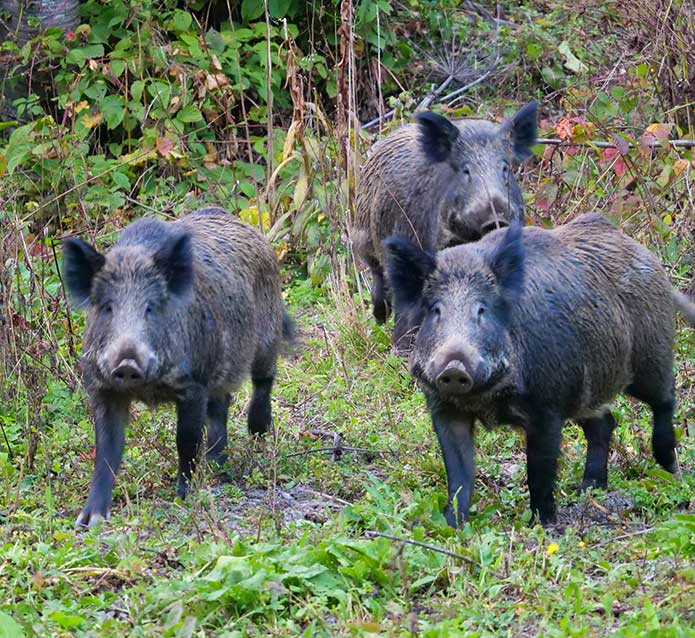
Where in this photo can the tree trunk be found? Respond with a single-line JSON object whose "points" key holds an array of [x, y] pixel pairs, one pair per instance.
{"points": [[49, 13], [18, 22]]}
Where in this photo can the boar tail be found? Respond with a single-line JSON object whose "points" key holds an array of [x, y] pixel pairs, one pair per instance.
{"points": [[685, 305]]}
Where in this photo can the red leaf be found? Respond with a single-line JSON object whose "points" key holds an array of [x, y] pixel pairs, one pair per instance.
{"points": [[612, 156], [165, 145]]}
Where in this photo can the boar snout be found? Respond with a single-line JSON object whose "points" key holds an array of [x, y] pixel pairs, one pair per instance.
{"points": [[127, 372], [454, 378], [130, 366]]}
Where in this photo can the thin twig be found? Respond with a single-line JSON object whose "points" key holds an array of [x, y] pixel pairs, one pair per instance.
{"points": [[434, 548], [332, 449], [600, 144], [639, 532]]}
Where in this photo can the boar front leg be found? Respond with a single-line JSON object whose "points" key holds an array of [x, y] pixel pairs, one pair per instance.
{"points": [[543, 438], [191, 411], [110, 420], [455, 433]]}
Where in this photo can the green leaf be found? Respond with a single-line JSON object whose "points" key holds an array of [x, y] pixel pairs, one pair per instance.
{"points": [[182, 21], [112, 108], [121, 180], [572, 62], [117, 66], [79, 56], [16, 154], [251, 10], [189, 113], [136, 89], [160, 90], [278, 8], [10, 628], [67, 621]]}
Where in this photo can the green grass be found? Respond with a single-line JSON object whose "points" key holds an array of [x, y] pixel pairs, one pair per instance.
{"points": [[281, 546]]}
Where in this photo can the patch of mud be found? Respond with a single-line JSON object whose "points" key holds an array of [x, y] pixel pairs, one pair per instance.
{"points": [[281, 505], [608, 510]]}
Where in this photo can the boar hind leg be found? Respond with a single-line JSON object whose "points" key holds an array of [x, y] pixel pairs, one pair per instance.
{"points": [[262, 376], [111, 418], [663, 437], [380, 304], [455, 434], [218, 413], [191, 412], [542, 451], [598, 431]]}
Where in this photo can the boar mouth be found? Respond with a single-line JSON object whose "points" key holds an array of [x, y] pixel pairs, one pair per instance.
{"points": [[494, 382]]}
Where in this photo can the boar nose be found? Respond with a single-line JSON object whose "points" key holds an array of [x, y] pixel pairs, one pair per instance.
{"points": [[454, 379], [127, 372]]}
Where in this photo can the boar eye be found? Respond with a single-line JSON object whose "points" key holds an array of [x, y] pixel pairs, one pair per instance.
{"points": [[505, 170], [148, 310], [436, 310], [480, 311], [107, 309], [466, 170]]}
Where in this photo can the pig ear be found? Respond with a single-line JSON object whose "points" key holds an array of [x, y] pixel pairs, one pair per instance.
{"points": [[523, 130], [507, 261], [437, 136], [80, 263], [175, 261], [407, 268]]}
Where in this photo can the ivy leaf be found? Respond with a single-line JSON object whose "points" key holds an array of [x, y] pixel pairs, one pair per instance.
{"points": [[613, 157]]}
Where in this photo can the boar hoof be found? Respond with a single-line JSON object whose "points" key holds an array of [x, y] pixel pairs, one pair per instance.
{"points": [[218, 458], [596, 484], [182, 488], [88, 518], [453, 520]]}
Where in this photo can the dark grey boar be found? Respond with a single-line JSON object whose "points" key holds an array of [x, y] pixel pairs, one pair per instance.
{"points": [[531, 327], [176, 311], [438, 183]]}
